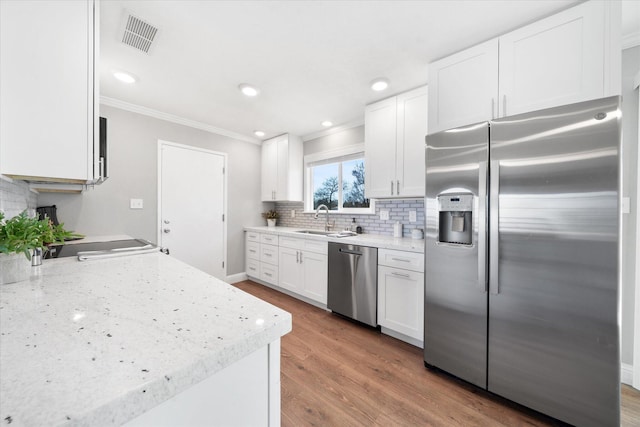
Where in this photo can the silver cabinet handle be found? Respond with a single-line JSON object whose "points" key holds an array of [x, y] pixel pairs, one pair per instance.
{"points": [[167, 221], [297, 257], [504, 105], [482, 226], [398, 187], [267, 274], [401, 259], [493, 108], [494, 223], [101, 168], [406, 276], [253, 251], [267, 254], [167, 230], [392, 188]]}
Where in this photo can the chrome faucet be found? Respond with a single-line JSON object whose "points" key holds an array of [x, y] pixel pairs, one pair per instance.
{"points": [[327, 227]]}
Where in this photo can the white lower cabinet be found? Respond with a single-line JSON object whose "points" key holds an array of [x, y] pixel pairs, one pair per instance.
{"points": [[293, 264], [303, 268], [261, 256], [401, 295]]}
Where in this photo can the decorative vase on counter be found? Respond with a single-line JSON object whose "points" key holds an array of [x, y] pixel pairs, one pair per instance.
{"points": [[14, 268], [271, 222]]}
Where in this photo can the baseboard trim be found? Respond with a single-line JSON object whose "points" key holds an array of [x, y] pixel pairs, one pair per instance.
{"points": [[626, 374], [402, 337], [235, 278]]}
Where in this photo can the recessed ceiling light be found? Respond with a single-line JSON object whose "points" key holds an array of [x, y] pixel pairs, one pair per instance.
{"points": [[379, 84], [248, 89], [327, 123], [124, 77], [258, 133]]}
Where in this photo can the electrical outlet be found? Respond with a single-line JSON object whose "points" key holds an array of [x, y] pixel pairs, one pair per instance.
{"points": [[293, 213], [412, 216], [136, 204], [384, 215]]}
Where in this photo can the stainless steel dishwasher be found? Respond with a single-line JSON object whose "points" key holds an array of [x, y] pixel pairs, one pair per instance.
{"points": [[353, 282]]}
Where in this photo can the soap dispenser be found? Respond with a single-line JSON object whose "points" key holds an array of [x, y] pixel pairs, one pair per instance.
{"points": [[354, 226]]}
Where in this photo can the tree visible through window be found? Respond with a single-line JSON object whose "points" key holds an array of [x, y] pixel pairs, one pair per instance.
{"points": [[339, 185]]}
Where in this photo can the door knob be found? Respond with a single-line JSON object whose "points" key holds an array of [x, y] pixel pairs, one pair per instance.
{"points": [[167, 230]]}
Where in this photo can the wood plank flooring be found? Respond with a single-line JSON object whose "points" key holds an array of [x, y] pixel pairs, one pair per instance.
{"points": [[338, 373]]}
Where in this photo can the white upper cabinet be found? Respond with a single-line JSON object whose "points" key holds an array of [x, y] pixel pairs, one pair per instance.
{"points": [[394, 145], [282, 169], [569, 57], [463, 87], [49, 103]]}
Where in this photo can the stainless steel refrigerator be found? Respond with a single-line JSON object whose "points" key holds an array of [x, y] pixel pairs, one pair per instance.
{"points": [[521, 259]]}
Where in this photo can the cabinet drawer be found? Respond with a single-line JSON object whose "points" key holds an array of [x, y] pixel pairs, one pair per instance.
{"points": [[269, 239], [317, 246], [269, 254], [253, 268], [253, 250], [413, 261], [291, 242], [269, 273], [253, 236]]}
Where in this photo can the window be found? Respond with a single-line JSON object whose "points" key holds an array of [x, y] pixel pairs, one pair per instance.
{"points": [[336, 179]]}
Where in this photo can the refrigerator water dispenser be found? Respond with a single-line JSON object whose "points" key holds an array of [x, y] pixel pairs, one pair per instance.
{"points": [[455, 218]]}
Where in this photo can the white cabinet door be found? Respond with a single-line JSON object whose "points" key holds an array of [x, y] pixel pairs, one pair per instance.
{"points": [[380, 148], [315, 276], [558, 60], [282, 169], [48, 108], [401, 301], [411, 132], [269, 169], [463, 87], [290, 270]]}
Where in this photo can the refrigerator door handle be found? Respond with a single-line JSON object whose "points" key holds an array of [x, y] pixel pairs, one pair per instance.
{"points": [[482, 226], [494, 194]]}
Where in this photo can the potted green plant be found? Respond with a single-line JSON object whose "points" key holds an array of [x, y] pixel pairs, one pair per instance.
{"points": [[271, 216], [20, 236]]}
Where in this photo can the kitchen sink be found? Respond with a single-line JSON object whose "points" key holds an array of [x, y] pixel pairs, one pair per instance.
{"points": [[327, 233], [315, 232]]}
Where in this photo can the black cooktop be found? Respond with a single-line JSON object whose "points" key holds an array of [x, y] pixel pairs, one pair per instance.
{"points": [[62, 251]]}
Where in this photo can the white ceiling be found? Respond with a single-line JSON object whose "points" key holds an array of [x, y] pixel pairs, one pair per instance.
{"points": [[312, 60]]}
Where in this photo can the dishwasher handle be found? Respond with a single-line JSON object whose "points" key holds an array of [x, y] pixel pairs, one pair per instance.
{"points": [[349, 251]]}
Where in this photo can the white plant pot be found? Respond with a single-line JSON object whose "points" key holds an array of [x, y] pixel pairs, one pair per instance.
{"points": [[14, 268], [271, 222]]}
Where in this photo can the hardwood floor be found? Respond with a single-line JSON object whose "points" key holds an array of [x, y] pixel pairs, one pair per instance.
{"points": [[338, 373]]}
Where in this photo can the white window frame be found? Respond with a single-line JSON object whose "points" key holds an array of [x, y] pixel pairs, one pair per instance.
{"points": [[336, 154]]}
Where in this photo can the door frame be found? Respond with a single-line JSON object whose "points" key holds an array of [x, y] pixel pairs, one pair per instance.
{"points": [[636, 310], [224, 156]]}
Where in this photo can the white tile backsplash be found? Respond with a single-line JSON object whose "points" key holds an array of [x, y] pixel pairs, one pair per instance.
{"points": [[15, 197], [371, 224]]}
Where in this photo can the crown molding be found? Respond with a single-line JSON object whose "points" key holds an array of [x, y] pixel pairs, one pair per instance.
{"points": [[111, 102], [333, 130], [631, 40]]}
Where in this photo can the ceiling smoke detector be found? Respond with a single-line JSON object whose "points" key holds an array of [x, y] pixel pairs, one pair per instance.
{"points": [[138, 33]]}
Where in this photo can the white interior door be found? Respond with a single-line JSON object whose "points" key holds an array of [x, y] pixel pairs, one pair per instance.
{"points": [[191, 206]]}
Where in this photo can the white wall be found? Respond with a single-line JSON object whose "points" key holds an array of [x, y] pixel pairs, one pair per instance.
{"points": [[630, 67], [133, 140]]}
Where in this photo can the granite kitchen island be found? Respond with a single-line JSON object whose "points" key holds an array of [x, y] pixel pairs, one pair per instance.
{"points": [[142, 340]]}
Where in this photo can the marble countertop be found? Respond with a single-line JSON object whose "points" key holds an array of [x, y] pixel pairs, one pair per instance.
{"points": [[100, 342], [376, 240]]}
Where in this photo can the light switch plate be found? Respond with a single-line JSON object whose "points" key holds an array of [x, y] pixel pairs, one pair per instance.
{"points": [[412, 216], [293, 213], [136, 204], [626, 208], [384, 215]]}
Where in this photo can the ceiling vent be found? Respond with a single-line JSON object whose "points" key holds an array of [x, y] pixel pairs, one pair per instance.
{"points": [[138, 34]]}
